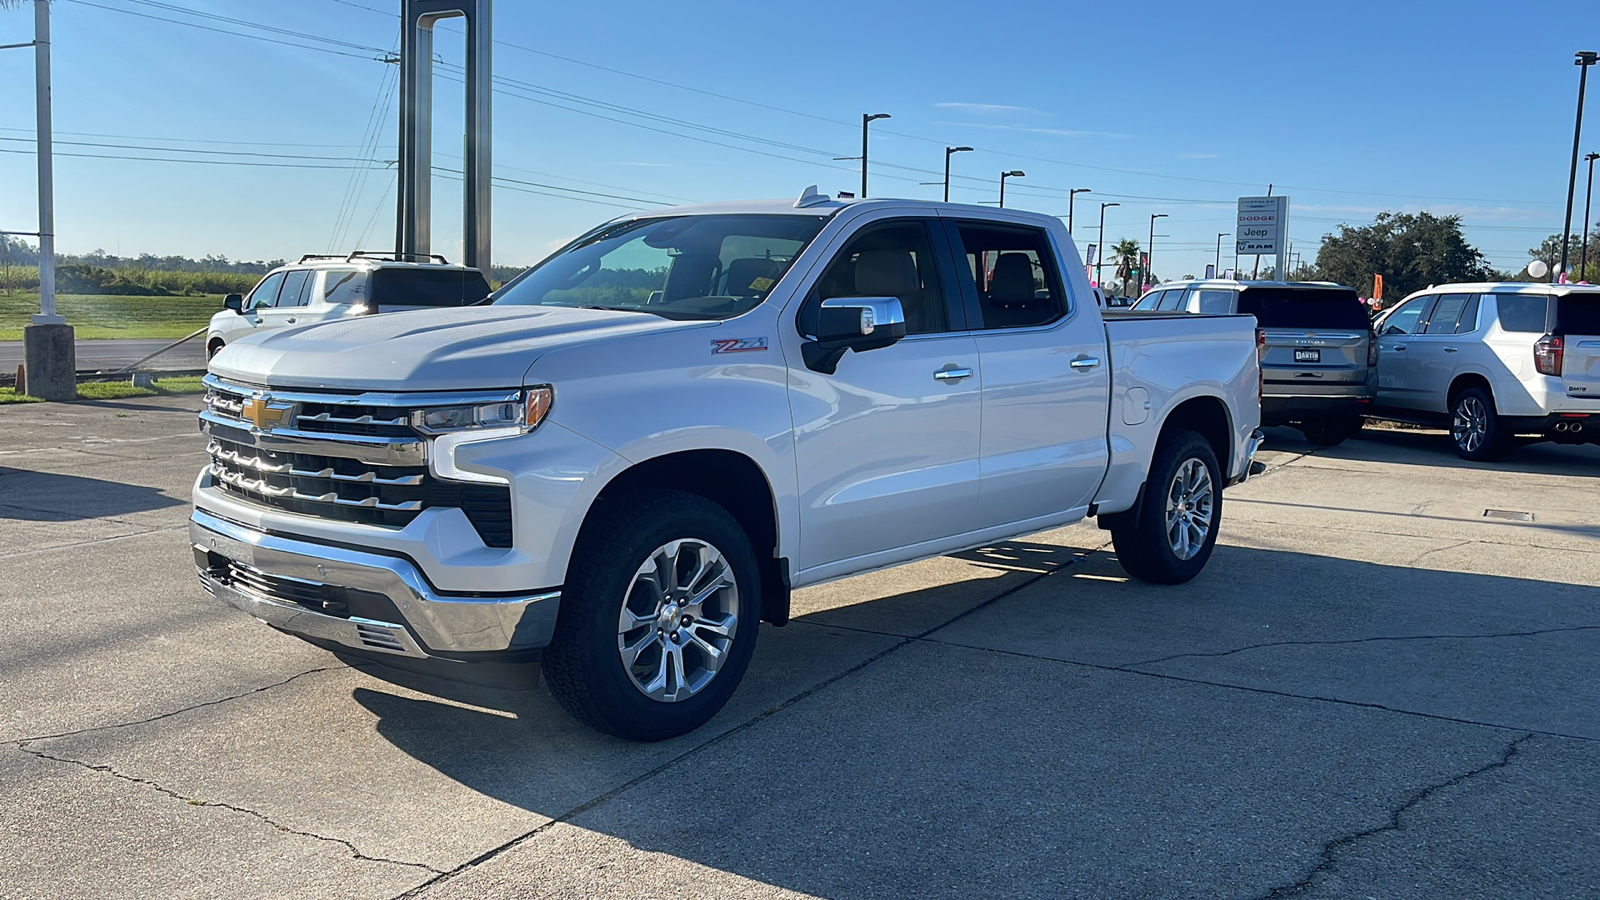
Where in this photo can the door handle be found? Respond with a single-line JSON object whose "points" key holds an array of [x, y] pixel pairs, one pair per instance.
{"points": [[1398, 348], [290, 320], [1452, 350], [952, 374], [1084, 363], [258, 320]]}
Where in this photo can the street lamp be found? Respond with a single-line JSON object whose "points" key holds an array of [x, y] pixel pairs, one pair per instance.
{"points": [[1150, 248], [865, 119], [1583, 252], [1072, 195], [1586, 58], [949, 152], [1003, 177], [1100, 258], [1216, 270]]}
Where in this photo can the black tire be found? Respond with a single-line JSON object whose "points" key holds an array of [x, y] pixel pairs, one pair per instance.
{"points": [[584, 664], [212, 349], [1140, 535], [1475, 427], [1331, 431]]}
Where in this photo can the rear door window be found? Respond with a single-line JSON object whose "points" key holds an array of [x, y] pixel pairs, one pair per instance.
{"points": [[1578, 313], [428, 287], [1468, 323], [1446, 313], [1522, 312], [1338, 308], [294, 291], [1013, 274], [1172, 300]]}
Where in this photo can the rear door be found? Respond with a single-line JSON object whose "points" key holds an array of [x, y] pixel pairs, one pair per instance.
{"points": [[1315, 339], [1578, 323], [1435, 354]]}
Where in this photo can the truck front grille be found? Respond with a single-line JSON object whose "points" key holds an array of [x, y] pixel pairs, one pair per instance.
{"points": [[317, 475]]}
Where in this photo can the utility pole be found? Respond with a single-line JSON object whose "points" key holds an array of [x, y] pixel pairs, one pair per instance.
{"points": [[48, 349], [1583, 265], [1586, 58], [1003, 177], [1150, 249], [1100, 258], [1071, 196]]}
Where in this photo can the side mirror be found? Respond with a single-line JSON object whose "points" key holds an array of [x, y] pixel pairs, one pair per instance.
{"points": [[234, 302], [853, 323]]}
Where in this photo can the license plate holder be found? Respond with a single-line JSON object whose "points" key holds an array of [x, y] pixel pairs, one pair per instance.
{"points": [[1311, 356]]}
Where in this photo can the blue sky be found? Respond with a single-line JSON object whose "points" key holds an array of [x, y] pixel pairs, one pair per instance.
{"points": [[1350, 108]]}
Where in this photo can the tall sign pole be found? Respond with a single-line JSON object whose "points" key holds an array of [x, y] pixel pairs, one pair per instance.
{"points": [[49, 356]]}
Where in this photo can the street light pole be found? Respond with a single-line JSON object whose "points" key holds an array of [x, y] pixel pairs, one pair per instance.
{"points": [[1216, 270], [948, 152], [865, 119], [1071, 196], [1016, 174], [1150, 249], [1100, 258], [1586, 58], [1583, 252]]}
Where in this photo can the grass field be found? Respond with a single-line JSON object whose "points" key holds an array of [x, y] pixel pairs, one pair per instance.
{"points": [[118, 390], [97, 317]]}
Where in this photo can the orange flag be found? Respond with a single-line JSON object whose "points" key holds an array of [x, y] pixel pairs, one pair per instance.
{"points": [[1377, 287]]}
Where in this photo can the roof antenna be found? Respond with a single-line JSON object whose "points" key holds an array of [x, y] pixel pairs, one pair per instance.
{"points": [[810, 197]]}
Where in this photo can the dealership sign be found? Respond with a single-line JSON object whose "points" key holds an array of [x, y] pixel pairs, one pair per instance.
{"points": [[1263, 225]]}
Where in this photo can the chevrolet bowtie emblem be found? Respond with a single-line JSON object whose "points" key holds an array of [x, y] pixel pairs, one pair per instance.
{"points": [[263, 413]]}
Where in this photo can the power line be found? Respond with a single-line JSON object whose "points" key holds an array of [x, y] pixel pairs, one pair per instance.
{"points": [[254, 37]]}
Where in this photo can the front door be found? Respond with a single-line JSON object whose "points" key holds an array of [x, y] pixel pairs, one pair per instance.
{"points": [[1394, 351], [886, 448]]}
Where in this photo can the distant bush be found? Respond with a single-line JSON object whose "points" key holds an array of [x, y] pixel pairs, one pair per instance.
{"points": [[77, 278]]}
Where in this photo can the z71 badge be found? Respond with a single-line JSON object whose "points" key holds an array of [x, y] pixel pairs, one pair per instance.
{"points": [[738, 345]]}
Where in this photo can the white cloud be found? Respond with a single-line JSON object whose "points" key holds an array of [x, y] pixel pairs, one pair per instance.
{"points": [[1058, 132], [1197, 156], [991, 109]]}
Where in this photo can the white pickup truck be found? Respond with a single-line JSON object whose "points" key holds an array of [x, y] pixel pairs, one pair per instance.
{"points": [[631, 454]]}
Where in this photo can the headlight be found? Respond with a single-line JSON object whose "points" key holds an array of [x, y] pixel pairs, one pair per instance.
{"points": [[521, 414]]}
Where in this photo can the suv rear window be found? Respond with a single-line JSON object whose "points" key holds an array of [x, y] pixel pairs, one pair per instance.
{"points": [[428, 287], [1522, 312], [1578, 313], [1287, 307]]}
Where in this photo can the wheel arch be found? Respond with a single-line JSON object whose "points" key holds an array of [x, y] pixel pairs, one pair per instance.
{"points": [[729, 479], [1207, 416], [1463, 381]]}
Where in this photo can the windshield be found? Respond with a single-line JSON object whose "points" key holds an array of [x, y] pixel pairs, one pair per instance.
{"points": [[1286, 307], [681, 267]]}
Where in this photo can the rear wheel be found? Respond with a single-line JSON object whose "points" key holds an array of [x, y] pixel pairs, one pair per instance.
{"points": [[1331, 431], [658, 617], [1169, 536], [1475, 427]]}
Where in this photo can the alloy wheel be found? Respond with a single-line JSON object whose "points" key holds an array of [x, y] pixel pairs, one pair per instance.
{"points": [[1470, 424], [677, 620], [1189, 508]]}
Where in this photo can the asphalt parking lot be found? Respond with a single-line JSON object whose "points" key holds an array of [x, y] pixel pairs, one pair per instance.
{"points": [[1373, 690]]}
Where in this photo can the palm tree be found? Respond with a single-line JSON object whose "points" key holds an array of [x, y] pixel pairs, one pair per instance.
{"points": [[1126, 253]]}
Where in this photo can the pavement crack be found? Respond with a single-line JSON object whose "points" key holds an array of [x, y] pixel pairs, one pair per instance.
{"points": [[1133, 666], [1328, 858], [19, 742], [355, 852], [1425, 553]]}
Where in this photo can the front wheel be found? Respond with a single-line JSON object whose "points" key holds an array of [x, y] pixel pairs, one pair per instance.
{"points": [[1168, 537], [658, 617], [1475, 427]]}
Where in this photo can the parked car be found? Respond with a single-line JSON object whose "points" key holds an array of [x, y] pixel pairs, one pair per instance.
{"points": [[1492, 362], [1318, 357], [318, 288], [631, 457]]}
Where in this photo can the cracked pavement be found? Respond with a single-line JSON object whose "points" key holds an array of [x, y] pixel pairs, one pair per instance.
{"points": [[1372, 691]]}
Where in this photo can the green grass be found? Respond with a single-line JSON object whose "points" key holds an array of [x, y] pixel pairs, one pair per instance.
{"points": [[104, 317], [119, 390]]}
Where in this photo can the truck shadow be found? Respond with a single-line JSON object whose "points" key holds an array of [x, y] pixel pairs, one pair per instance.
{"points": [[48, 497], [995, 736]]}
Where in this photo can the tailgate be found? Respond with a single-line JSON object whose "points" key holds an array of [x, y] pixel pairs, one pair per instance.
{"points": [[1578, 323], [1317, 357]]}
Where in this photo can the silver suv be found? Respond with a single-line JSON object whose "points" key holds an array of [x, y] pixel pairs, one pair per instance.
{"points": [[318, 288], [1494, 361], [1315, 341]]}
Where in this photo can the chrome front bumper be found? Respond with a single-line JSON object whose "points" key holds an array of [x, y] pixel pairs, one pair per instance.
{"points": [[364, 601]]}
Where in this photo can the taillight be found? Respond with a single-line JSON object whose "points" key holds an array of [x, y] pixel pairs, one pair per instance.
{"points": [[1261, 355], [1547, 355]]}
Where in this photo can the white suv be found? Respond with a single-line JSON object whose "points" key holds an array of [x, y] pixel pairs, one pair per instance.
{"points": [[318, 288], [1495, 361]]}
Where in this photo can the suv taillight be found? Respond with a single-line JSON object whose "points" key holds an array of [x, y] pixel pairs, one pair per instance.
{"points": [[1547, 355]]}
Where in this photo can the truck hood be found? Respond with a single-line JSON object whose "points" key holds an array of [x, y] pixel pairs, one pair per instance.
{"points": [[434, 350]]}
